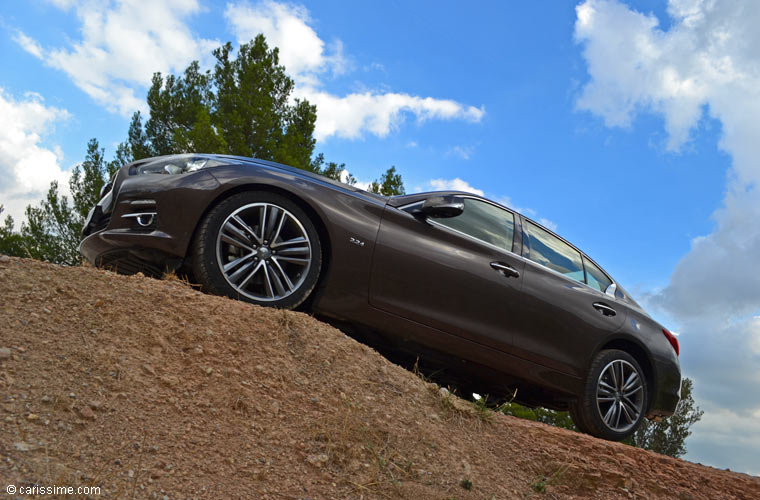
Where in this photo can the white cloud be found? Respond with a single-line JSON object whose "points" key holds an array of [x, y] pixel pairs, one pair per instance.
{"points": [[122, 44], [302, 52], [706, 62], [379, 114], [455, 184], [26, 166], [306, 58], [28, 44]]}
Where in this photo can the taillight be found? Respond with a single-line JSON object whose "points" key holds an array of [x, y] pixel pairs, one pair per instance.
{"points": [[673, 341]]}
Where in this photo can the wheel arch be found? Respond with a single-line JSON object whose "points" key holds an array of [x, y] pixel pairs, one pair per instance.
{"points": [[324, 235]]}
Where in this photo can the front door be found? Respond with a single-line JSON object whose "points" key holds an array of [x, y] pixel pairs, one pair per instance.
{"points": [[456, 274]]}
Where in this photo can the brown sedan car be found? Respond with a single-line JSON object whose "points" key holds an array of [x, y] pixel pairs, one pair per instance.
{"points": [[498, 301]]}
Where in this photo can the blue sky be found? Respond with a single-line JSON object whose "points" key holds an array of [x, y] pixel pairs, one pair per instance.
{"points": [[628, 127]]}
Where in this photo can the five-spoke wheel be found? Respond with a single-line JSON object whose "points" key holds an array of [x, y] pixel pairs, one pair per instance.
{"points": [[259, 247]]}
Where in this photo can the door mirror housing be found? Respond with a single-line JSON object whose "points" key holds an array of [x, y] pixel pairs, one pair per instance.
{"points": [[441, 207]]}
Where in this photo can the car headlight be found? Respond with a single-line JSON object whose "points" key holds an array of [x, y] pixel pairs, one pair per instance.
{"points": [[177, 165]]}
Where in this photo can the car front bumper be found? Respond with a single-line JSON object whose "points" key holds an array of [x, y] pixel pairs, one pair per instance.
{"points": [[116, 237]]}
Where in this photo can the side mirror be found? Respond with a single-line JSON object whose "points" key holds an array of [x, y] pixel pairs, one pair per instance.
{"points": [[441, 207]]}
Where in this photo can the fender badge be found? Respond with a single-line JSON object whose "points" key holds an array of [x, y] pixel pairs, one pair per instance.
{"points": [[356, 242]]}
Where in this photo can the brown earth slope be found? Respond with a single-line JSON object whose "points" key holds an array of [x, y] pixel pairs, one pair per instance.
{"points": [[150, 389]]}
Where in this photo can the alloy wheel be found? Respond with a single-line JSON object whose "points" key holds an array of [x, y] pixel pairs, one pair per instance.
{"points": [[620, 395], [263, 251]]}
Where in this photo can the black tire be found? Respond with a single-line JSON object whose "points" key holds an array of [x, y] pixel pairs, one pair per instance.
{"points": [[612, 413], [261, 274]]}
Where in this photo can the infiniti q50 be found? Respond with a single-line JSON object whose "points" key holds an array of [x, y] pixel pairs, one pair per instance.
{"points": [[512, 308]]}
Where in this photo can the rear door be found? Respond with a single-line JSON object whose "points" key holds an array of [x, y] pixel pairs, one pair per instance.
{"points": [[459, 274], [566, 308]]}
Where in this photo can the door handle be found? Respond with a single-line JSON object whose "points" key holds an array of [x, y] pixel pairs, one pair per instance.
{"points": [[506, 269], [604, 309]]}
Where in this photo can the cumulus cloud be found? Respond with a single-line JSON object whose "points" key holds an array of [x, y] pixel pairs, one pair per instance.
{"points": [[705, 62], [308, 59], [286, 26], [26, 166], [122, 44]]}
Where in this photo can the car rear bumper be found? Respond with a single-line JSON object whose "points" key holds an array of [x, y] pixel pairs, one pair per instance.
{"points": [[668, 394]]}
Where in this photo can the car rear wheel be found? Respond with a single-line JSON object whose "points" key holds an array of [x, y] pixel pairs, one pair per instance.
{"points": [[614, 400], [259, 247]]}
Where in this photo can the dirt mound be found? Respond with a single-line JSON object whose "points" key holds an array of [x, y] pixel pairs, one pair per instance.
{"points": [[150, 389]]}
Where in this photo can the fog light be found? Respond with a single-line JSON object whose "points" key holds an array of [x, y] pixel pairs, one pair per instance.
{"points": [[145, 220]]}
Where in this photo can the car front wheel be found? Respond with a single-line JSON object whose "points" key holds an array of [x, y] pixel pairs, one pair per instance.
{"points": [[260, 247], [615, 396]]}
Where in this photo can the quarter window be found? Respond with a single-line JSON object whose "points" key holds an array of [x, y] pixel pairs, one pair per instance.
{"points": [[595, 277], [485, 222], [550, 251]]}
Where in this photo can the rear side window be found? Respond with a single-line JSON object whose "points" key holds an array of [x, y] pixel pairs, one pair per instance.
{"points": [[595, 277], [485, 222], [550, 251]]}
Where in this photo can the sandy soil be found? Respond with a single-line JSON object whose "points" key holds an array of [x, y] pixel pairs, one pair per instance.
{"points": [[150, 389]]}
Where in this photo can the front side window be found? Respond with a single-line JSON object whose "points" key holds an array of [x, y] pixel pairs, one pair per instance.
{"points": [[595, 277], [485, 222], [550, 251]]}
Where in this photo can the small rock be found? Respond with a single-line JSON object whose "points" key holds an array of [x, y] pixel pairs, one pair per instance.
{"points": [[22, 446], [5, 353], [47, 311], [443, 392], [317, 460], [99, 303], [149, 369], [72, 395], [4, 259], [95, 405], [32, 416], [276, 407], [86, 413], [209, 370], [198, 350], [131, 473], [45, 399]]}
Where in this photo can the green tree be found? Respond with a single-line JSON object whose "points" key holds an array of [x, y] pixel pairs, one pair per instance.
{"points": [[11, 242], [389, 184], [669, 435], [331, 170]]}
